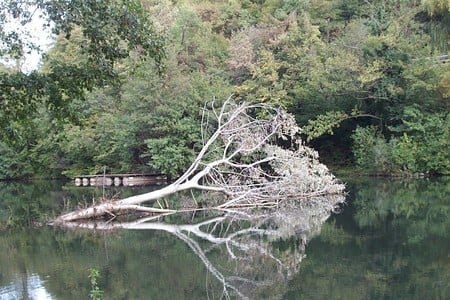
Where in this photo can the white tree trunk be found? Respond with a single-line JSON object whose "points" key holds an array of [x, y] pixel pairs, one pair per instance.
{"points": [[242, 133]]}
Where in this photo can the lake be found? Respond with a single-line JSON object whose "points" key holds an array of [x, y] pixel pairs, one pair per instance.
{"points": [[390, 240]]}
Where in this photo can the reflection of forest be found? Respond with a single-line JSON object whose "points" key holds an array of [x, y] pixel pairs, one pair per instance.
{"points": [[250, 253], [133, 265], [390, 242], [28, 204], [29, 287]]}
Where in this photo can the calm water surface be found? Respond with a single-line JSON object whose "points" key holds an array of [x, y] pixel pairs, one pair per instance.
{"points": [[391, 240]]}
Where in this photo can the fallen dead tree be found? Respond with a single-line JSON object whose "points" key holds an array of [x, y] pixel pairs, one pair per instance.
{"points": [[251, 152]]}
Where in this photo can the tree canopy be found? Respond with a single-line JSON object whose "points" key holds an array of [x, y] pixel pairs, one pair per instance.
{"points": [[103, 34], [349, 71]]}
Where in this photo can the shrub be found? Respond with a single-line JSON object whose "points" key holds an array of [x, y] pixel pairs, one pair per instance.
{"points": [[404, 153], [421, 147], [371, 151]]}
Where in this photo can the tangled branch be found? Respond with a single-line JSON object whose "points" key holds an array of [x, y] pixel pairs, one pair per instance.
{"points": [[252, 153]]}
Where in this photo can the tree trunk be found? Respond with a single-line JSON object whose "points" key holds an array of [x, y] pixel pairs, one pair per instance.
{"points": [[242, 159]]}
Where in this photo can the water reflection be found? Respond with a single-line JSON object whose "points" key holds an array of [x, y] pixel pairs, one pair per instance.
{"points": [[389, 242], [30, 287], [32, 204], [252, 253]]}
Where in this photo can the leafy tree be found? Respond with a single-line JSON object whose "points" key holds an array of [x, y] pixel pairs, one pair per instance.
{"points": [[424, 138], [444, 90], [371, 150], [336, 65], [111, 30], [417, 150], [148, 123], [265, 85], [34, 150]]}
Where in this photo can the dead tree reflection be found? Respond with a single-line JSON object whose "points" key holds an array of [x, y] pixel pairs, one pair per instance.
{"points": [[252, 253]]}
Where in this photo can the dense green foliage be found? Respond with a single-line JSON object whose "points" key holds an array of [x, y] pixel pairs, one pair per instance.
{"points": [[420, 148], [102, 33], [367, 81]]}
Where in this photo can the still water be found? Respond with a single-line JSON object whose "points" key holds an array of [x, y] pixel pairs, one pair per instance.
{"points": [[390, 240]]}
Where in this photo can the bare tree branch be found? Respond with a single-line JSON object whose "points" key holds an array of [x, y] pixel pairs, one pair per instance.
{"points": [[253, 154]]}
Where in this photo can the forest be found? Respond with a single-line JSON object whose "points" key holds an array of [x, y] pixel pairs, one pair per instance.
{"points": [[367, 81]]}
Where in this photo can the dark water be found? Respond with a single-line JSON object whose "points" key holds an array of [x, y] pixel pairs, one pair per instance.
{"points": [[390, 241]]}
